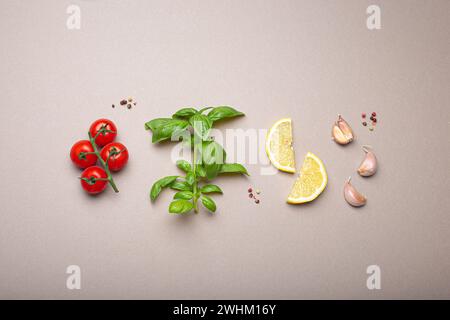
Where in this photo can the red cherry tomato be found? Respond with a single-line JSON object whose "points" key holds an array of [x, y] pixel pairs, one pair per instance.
{"points": [[89, 180], [79, 156], [118, 158], [105, 137]]}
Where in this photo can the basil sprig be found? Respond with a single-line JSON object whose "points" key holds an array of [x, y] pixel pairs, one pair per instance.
{"points": [[208, 159]]}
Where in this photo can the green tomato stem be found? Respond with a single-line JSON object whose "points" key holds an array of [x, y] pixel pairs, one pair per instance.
{"points": [[104, 164], [83, 155]]}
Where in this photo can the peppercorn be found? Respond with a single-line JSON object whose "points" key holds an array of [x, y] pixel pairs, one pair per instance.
{"points": [[363, 115], [113, 106], [374, 114], [250, 189], [256, 201], [364, 123], [250, 195], [123, 102]]}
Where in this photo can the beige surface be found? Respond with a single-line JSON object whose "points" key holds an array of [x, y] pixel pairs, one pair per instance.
{"points": [[305, 59]]}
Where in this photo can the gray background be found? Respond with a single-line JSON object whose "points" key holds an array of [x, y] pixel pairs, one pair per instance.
{"points": [[305, 59]]}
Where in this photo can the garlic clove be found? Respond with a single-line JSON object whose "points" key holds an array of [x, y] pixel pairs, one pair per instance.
{"points": [[338, 136], [341, 132], [369, 165], [345, 127], [352, 196]]}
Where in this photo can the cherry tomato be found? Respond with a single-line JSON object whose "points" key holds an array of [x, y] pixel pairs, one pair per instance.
{"points": [[89, 182], [105, 137], [118, 158], [79, 156]]}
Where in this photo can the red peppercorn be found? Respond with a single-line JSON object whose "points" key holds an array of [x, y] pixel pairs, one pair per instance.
{"points": [[363, 115], [250, 190], [374, 120], [374, 114]]}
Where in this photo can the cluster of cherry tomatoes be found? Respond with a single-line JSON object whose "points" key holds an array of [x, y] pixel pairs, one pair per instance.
{"points": [[112, 156]]}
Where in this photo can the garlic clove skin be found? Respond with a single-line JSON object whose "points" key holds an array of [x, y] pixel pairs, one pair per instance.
{"points": [[341, 132], [352, 196], [369, 165]]}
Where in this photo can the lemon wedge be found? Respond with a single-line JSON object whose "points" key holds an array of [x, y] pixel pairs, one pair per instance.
{"points": [[311, 182], [279, 146]]}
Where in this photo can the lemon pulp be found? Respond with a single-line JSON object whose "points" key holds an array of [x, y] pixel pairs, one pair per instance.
{"points": [[311, 181], [279, 146]]}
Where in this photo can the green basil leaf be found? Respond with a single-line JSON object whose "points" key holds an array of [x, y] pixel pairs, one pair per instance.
{"points": [[200, 170], [169, 129], [209, 203], [186, 195], [156, 123], [233, 168], [204, 109], [219, 113], [212, 152], [185, 112], [190, 178], [186, 138], [212, 170], [213, 157], [180, 185], [201, 124], [159, 185], [210, 188], [180, 206], [184, 165]]}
